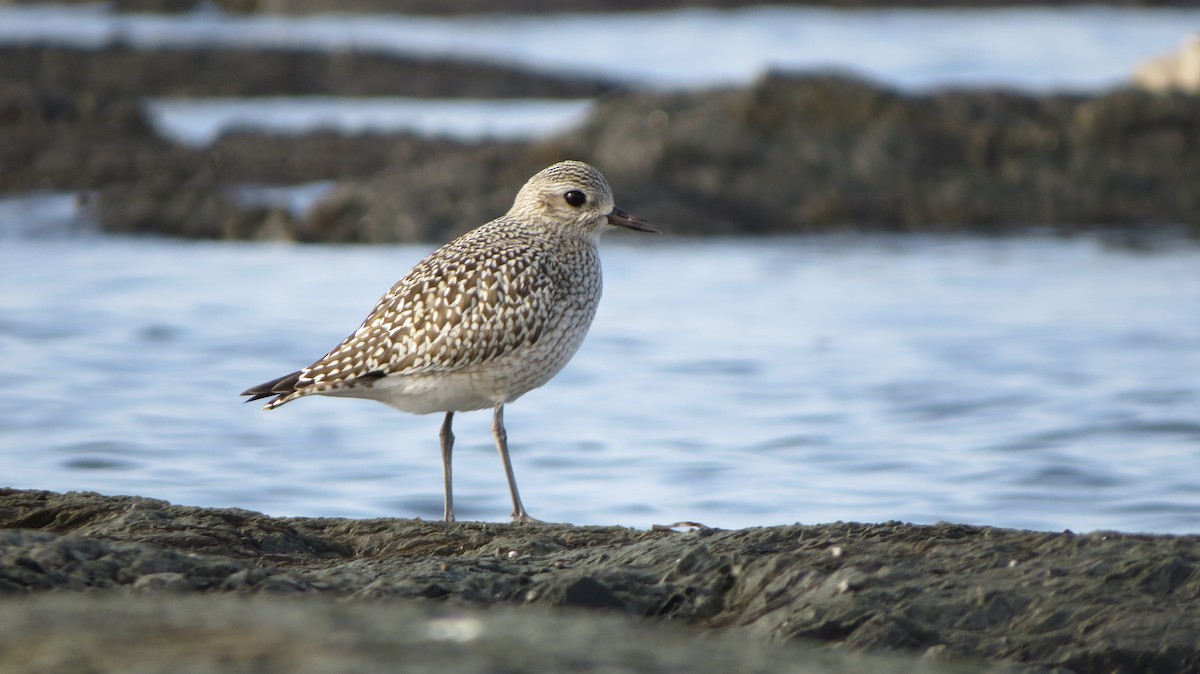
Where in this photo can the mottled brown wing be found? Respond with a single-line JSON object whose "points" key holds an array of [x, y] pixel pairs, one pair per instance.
{"points": [[453, 310]]}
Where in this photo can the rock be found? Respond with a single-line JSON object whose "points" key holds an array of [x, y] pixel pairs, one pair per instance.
{"points": [[1176, 72], [61, 139], [795, 154], [198, 71], [789, 154], [72, 119], [121, 633], [1098, 602]]}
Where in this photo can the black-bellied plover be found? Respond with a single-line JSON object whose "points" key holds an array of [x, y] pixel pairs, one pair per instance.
{"points": [[484, 319]]}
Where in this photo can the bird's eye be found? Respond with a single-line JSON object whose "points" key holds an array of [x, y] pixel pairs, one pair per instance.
{"points": [[575, 198]]}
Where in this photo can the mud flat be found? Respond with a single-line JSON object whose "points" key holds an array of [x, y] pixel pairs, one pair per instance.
{"points": [[195, 583]]}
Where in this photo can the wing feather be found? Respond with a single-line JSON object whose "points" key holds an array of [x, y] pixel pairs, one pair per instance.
{"points": [[457, 308]]}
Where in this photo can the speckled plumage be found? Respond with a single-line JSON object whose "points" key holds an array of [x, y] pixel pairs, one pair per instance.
{"points": [[484, 319]]}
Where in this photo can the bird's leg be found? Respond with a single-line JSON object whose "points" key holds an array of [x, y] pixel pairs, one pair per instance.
{"points": [[447, 438], [498, 432]]}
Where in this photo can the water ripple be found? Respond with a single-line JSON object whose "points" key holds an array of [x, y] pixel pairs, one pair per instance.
{"points": [[942, 388]]}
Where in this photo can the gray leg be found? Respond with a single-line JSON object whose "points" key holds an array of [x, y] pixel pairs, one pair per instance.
{"points": [[447, 438], [498, 432]]}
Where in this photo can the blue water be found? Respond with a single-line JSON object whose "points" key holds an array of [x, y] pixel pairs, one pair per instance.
{"points": [[1029, 382], [1036, 47], [1075, 48], [198, 122]]}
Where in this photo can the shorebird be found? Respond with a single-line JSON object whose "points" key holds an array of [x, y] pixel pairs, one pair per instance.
{"points": [[482, 320]]}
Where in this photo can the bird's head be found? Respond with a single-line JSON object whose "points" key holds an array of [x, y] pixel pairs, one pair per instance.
{"points": [[574, 196]]}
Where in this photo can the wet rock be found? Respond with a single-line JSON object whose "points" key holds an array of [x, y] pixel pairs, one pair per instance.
{"points": [[61, 139], [64, 139], [119, 70], [578, 590], [803, 154], [72, 119], [1178, 71], [800, 153], [222, 633], [1098, 602], [789, 154]]}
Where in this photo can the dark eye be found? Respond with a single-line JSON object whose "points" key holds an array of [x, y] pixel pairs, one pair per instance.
{"points": [[575, 198]]}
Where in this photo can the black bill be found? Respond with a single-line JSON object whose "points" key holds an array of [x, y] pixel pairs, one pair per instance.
{"points": [[620, 218]]}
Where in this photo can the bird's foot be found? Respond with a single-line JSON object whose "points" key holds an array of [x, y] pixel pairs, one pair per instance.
{"points": [[524, 518]]}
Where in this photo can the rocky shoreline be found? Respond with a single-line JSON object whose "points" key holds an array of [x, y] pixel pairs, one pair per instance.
{"points": [[789, 153], [929, 598], [119, 70]]}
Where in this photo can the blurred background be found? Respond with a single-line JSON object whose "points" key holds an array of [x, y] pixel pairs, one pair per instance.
{"points": [[920, 263]]}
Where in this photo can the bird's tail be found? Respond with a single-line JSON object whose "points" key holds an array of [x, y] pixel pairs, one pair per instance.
{"points": [[282, 388]]}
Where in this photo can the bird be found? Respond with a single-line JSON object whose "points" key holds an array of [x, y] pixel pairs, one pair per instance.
{"points": [[481, 321]]}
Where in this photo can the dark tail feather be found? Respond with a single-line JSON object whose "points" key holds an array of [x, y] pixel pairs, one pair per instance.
{"points": [[276, 387]]}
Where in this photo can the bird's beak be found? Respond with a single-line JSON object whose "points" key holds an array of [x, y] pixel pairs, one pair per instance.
{"points": [[620, 218]]}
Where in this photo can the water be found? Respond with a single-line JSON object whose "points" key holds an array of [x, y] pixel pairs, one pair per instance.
{"points": [[1027, 382], [1082, 48], [197, 123], [1039, 48]]}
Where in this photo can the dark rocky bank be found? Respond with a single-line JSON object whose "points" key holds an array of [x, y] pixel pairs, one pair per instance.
{"points": [[790, 154], [72, 119], [805, 153], [121, 71], [111, 580]]}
